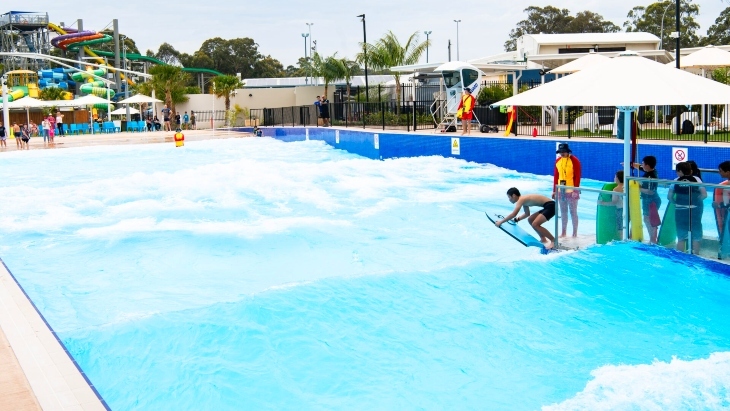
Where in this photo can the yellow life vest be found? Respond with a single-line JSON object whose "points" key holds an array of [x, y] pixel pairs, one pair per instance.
{"points": [[467, 102], [565, 172]]}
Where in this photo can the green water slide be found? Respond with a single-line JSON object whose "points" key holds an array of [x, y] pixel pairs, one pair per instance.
{"points": [[140, 57]]}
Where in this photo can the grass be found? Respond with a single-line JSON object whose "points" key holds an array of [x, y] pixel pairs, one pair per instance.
{"points": [[651, 134]]}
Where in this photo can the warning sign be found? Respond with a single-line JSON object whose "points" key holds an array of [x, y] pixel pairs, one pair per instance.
{"points": [[376, 141], [679, 154], [337, 136], [455, 146]]}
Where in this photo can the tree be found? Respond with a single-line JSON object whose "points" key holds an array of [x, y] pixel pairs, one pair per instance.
{"points": [[167, 54], [170, 81], [326, 67], [649, 19], [547, 20], [300, 70], [389, 52], [719, 33], [52, 93], [126, 41], [590, 22], [348, 69], [223, 86], [268, 67]]}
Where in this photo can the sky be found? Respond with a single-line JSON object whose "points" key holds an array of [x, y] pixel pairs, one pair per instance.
{"points": [[277, 25]]}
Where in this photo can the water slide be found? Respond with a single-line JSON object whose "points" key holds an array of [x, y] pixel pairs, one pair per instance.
{"points": [[140, 57], [73, 40]]}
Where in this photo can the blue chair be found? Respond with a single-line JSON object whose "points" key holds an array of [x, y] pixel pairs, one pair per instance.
{"points": [[86, 129], [73, 129], [97, 128], [108, 127], [133, 126]]}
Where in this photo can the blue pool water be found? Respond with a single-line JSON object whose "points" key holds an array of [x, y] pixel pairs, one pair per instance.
{"points": [[255, 274]]}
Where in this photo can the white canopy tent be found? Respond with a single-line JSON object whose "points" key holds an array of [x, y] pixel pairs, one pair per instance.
{"points": [[626, 81], [123, 111], [579, 64], [706, 58], [140, 98]]}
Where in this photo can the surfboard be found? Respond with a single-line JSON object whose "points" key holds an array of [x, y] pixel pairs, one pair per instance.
{"points": [[606, 217], [668, 230], [513, 230]]}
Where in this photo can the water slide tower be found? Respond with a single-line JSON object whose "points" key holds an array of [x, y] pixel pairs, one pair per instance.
{"points": [[24, 32]]}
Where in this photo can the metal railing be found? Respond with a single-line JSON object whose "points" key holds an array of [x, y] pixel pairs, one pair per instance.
{"points": [[410, 108]]}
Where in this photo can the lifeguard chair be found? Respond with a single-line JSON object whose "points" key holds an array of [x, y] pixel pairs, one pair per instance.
{"points": [[455, 75]]}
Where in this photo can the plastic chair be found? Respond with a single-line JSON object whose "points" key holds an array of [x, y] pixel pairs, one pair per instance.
{"points": [[109, 127], [133, 126], [97, 128], [74, 129]]}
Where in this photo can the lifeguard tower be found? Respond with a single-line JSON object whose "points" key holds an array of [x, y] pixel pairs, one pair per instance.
{"points": [[455, 76], [24, 32]]}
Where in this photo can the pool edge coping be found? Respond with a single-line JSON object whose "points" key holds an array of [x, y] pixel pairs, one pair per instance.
{"points": [[56, 379]]}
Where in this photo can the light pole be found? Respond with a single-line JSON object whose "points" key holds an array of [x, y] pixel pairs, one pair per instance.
{"points": [[427, 33], [458, 58], [365, 53], [310, 35], [305, 35], [678, 27], [661, 35], [311, 50]]}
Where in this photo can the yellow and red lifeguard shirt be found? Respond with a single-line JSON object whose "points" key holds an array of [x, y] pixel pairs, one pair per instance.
{"points": [[567, 169]]}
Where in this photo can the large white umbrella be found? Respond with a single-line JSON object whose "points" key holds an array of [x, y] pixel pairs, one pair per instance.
{"points": [[709, 57], [27, 103], [123, 111], [140, 98], [579, 64], [626, 81], [89, 100]]}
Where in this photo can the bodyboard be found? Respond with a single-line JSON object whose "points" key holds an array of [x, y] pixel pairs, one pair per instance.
{"points": [[668, 231], [635, 217], [606, 217], [514, 231]]}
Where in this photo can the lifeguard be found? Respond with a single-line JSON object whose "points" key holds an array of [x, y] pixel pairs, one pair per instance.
{"points": [[179, 138]]}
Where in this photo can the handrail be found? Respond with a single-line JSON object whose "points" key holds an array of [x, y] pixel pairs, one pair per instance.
{"points": [[559, 187]]}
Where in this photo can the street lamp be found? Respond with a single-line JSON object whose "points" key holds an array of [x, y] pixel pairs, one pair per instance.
{"points": [[457, 39], [365, 53], [678, 26], [661, 35], [427, 33], [305, 35]]}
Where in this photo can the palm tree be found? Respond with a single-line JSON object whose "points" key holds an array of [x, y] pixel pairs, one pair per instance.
{"points": [[223, 86], [329, 68], [348, 69], [388, 52], [171, 81]]}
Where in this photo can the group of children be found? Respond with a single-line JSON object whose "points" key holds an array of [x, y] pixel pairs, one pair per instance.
{"points": [[687, 199], [24, 131]]}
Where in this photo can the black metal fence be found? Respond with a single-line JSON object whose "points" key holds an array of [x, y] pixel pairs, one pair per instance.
{"points": [[411, 108]]}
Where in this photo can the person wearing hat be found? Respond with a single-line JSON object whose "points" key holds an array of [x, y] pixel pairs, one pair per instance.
{"points": [[466, 107], [179, 138], [567, 172]]}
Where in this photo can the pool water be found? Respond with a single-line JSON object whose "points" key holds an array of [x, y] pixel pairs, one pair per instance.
{"points": [[256, 274]]}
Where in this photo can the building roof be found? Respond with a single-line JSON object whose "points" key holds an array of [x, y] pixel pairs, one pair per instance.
{"points": [[303, 81], [594, 38]]}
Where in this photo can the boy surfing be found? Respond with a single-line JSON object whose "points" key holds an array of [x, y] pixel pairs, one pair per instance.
{"points": [[536, 220]]}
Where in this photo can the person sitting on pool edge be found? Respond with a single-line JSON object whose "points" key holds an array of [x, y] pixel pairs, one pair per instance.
{"points": [[536, 220]]}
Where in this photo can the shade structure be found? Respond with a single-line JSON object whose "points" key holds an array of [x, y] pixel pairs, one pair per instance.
{"points": [[29, 102], [709, 57], [625, 80], [580, 64], [123, 111], [140, 98], [89, 100]]}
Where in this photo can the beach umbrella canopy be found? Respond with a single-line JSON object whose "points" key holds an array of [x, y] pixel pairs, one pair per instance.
{"points": [[123, 111], [709, 57], [29, 102], [580, 64], [89, 100], [625, 80], [140, 98]]}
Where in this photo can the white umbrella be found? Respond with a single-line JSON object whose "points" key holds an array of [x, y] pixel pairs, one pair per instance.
{"points": [[27, 103], [89, 100], [123, 111], [708, 57], [579, 64], [140, 98], [626, 81]]}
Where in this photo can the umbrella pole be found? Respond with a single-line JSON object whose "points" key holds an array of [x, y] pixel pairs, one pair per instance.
{"points": [[627, 163], [27, 114]]}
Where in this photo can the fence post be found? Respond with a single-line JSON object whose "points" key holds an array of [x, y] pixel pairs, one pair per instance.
{"points": [[704, 108]]}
